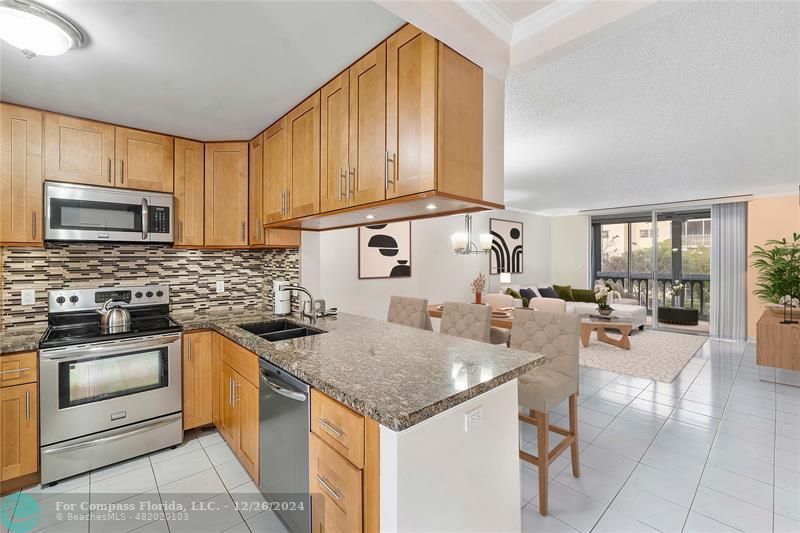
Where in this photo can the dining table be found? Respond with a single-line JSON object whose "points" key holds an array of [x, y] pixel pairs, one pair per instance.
{"points": [[501, 318]]}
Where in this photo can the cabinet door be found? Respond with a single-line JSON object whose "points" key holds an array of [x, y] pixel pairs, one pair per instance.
{"points": [[188, 193], [334, 140], [19, 431], [197, 379], [246, 400], [276, 172], [337, 487], [20, 175], [282, 238], [226, 194], [145, 160], [304, 149], [411, 111], [368, 127], [228, 422], [78, 151], [256, 197]]}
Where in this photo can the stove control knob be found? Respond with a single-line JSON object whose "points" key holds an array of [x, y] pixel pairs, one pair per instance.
{"points": [[73, 299], [138, 294], [60, 300], [149, 294], [160, 294]]}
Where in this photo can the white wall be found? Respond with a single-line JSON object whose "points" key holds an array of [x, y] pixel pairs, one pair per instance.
{"points": [[329, 263], [569, 253]]}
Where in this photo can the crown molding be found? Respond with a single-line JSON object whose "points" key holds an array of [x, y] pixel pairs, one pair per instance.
{"points": [[490, 17], [547, 16]]}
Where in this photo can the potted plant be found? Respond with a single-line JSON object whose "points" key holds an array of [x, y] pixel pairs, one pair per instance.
{"points": [[602, 291], [778, 265], [478, 285]]}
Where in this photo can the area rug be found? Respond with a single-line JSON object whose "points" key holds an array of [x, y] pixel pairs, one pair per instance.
{"points": [[657, 355]]}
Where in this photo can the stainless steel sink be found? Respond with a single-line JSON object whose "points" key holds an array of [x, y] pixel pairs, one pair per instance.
{"points": [[280, 330]]}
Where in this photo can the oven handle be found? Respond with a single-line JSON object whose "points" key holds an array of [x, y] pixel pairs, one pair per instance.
{"points": [[105, 348], [115, 437]]}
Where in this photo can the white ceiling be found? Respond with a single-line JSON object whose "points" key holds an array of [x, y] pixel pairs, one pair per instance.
{"points": [[516, 10], [701, 102], [207, 70]]}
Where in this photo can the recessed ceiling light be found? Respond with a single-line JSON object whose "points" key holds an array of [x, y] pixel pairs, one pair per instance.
{"points": [[36, 29], [430, 206], [370, 217]]}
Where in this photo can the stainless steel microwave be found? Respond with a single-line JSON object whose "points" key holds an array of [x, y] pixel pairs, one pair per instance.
{"points": [[86, 213]]}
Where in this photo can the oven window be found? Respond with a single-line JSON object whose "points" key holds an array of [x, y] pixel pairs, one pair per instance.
{"points": [[102, 378], [100, 216]]}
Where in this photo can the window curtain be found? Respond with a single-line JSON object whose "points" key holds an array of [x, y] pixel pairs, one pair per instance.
{"points": [[729, 271]]}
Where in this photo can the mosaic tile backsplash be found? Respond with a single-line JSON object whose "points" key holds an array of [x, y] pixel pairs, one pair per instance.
{"points": [[191, 274]]}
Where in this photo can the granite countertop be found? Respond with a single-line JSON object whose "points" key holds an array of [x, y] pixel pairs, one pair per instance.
{"points": [[396, 375], [21, 339]]}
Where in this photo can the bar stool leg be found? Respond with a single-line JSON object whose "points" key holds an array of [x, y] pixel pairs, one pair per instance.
{"points": [[542, 436], [573, 429]]}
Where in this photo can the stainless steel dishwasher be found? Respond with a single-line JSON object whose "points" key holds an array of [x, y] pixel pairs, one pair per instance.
{"points": [[284, 415]]}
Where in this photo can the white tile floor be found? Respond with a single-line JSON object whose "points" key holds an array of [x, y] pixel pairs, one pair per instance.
{"points": [[716, 450]]}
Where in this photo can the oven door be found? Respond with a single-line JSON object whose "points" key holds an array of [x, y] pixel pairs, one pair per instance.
{"points": [[102, 386]]}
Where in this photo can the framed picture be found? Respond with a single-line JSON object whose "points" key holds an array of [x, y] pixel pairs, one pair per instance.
{"points": [[384, 251], [507, 245]]}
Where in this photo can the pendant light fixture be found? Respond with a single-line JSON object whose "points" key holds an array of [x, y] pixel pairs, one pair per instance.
{"points": [[463, 244], [37, 30]]}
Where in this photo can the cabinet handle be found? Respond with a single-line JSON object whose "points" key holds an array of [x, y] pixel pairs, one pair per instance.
{"points": [[328, 487], [330, 428], [27, 405], [15, 371], [109, 170], [339, 196], [258, 229], [388, 160], [235, 393], [180, 230], [33, 224], [288, 200], [282, 204], [351, 178], [189, 350], [230, 391], [122, 171], [242, 230]]}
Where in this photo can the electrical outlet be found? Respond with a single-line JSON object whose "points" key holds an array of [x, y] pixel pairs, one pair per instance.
{"points": [[473, 419], [220, 286], [28, 296]]}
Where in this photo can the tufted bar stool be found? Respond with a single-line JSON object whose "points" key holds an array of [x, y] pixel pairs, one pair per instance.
{"points": [[469, 321], [555, 335], [409, 312]]}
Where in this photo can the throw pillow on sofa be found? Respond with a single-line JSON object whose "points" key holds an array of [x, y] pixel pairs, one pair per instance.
{"points": [[547, 292], [584, 295], [516, 295], [528, 294], [564, 292]]}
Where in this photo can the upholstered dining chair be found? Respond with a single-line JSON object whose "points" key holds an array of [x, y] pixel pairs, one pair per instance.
{"points": [[548, 305], [496, 301], [554, 335], [409, 312], [469, 321]]}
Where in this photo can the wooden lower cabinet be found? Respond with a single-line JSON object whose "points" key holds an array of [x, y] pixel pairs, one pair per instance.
{"points": [[19, 418], [336, 489], [197, 378]]}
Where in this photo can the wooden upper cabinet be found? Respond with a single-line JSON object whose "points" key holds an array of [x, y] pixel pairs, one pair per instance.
{"points": [[226, 191], [145, 160], [189, 199], [276, 171], [368, 127], [256, 209], [78, 150], [335, 143], [304, 151], [20, 175], [411, 111]]}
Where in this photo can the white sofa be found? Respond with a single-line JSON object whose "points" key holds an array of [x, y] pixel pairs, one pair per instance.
{"points": [[624, 307]]}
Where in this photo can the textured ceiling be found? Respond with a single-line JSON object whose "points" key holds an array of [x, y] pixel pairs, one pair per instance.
{"points": [[209, 70], [517, 10], [699, 103]]}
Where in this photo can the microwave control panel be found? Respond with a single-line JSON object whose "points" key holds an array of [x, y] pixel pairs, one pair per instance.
{"points": [[159, 219]]}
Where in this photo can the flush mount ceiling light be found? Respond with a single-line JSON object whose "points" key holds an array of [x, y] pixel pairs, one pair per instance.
{"points": [[36, 29]]}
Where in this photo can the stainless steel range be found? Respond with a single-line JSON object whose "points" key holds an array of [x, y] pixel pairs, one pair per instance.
{"points": [[110, 389]]}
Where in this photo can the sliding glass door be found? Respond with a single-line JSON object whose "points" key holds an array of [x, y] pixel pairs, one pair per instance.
{"points": [[663, 259]]}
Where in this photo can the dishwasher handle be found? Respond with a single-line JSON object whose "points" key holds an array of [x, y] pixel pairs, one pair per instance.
{"points": [[283, 391]]}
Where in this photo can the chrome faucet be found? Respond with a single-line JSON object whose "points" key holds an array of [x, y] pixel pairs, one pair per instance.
{"points": [[312, 317]]}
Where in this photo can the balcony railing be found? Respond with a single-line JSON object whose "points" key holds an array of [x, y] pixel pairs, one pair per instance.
{"points": [[696, 292]]}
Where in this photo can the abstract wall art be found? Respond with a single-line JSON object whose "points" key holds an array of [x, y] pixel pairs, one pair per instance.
{"points": [[506, 254], [384, 251]]}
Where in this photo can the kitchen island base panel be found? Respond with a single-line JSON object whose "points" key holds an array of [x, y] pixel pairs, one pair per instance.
{"points": [[437, 476]]}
